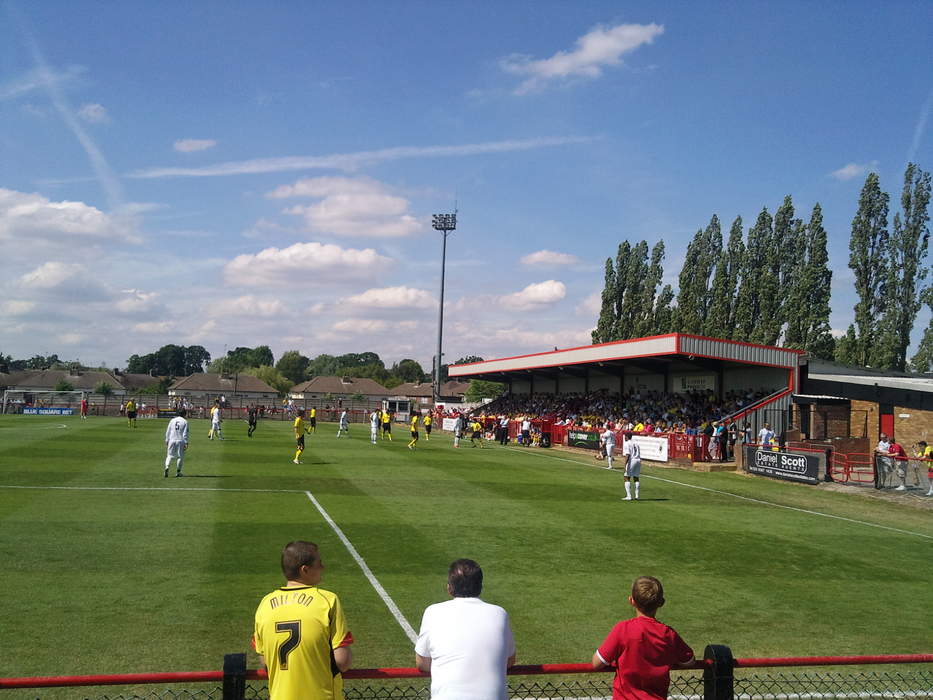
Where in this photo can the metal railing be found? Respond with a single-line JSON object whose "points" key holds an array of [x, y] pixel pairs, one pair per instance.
{"points": [[715, 678]]}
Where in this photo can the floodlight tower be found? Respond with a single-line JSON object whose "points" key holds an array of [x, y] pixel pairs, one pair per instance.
{"points": [[445, 223]]}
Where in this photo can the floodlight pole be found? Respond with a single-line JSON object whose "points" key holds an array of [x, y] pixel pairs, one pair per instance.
{"points": [[445, 223]]}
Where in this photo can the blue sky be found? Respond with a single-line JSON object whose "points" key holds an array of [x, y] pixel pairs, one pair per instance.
{"points": [[231, 174]]}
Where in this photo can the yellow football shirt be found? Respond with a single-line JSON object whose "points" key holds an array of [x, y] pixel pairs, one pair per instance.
{"points": [[414, 423], [299, 427], [313, 413], [296, 631], [427, 419], [386, 418]]}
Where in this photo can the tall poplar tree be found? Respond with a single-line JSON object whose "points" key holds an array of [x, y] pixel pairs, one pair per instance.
{"points": [[719, 322], [868, 259], [808, 305], [607, 311], [908, 249], [636, 271], [648, 322], [621, 280]]}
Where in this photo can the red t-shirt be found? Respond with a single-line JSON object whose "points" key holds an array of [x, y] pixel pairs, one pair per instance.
{"points": [[897, 451], [644, 651]]}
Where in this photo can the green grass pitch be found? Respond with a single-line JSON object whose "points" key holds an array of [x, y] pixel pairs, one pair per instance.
{"points": [[107, 567]]}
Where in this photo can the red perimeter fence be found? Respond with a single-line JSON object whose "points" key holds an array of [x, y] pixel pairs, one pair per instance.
{"points": [[717, 680]]}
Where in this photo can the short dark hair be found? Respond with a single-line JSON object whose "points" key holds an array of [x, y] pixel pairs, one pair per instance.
{"points": [[182, 412], [297, 554], [648, 594], [465, 579]]}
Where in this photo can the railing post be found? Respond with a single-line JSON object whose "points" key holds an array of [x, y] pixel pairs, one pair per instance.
{"points": [[234, 685], [718, 677]]}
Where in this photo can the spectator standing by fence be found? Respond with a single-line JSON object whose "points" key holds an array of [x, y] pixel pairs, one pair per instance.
{"points": [[643, 649], [883, 461], [465, 643], [301, 633], [899, 463]]}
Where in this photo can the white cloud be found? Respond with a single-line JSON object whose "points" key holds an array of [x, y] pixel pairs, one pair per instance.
{"points": [[549, 257], [591, 306], [63, 281], [392, 298], [71, 338], [602, 46], [304, 264], [349, 207], [251, 306], [29, 217], [192, 145], [137, 301], [535, 296], [852, 170], [51, 275], [17, 308], [353, 161], [94, 113], [360, 326], [153, 327]]}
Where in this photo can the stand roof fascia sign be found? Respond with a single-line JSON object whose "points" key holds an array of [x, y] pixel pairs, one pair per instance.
{"points": [[672, 344]]}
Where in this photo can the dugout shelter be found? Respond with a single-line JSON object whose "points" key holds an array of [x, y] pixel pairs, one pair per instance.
{"points": [[671, 363]]}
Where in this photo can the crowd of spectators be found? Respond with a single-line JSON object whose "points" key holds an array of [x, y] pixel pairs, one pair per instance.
{"points": [[637, 410]]}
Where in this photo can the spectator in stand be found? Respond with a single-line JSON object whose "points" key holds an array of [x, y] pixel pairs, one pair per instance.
{"points": [[642, 649], [465, 643], [883, 461], [766, 437], [733, 437], [899, 463]]}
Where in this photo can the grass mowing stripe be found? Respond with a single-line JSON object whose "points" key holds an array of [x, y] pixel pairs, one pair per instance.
{"points": [[386, 598], [744, 498]]}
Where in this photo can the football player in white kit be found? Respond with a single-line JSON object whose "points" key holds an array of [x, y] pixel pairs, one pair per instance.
{"points": [[632, 453], [176, 442], [344, 425], [374, 420], [609, 442]]}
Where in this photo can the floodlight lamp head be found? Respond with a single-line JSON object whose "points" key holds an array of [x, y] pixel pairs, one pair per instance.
{"points": [[444, 222]]}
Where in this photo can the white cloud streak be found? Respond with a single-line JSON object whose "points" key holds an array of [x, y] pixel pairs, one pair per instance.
{"points": [[108, 181], [852, 171], [921, 127], [602, 46], [392, 298], [548, 258], [192, 145], [353, 161]]}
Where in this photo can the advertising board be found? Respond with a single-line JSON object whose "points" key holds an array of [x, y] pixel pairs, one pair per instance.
{"points": [[654, 449], [790, 466], [449, 424], [583, 438], [32, 411]]}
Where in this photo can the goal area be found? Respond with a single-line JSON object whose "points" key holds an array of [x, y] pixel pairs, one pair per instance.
{"points": [[43, 402]]}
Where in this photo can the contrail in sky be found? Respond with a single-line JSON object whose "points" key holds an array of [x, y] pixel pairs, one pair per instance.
{"points": [[351, 161], [920, 129]]}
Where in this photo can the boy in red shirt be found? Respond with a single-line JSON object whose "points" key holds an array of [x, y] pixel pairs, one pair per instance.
{"points": [[643, 649]]}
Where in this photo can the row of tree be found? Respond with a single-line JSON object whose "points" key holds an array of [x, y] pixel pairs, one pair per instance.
{"points": [[773, 285]]}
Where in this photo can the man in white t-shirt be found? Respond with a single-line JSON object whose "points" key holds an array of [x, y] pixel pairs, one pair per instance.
{"points": [[608, 439], [632, 453], [526, 432], [465, 643], [374, 419], [176, 442], [766, 437]]}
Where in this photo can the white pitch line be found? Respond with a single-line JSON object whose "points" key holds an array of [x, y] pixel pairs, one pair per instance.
{"points": [[386, 598], [147, 488], [745, 498]]}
